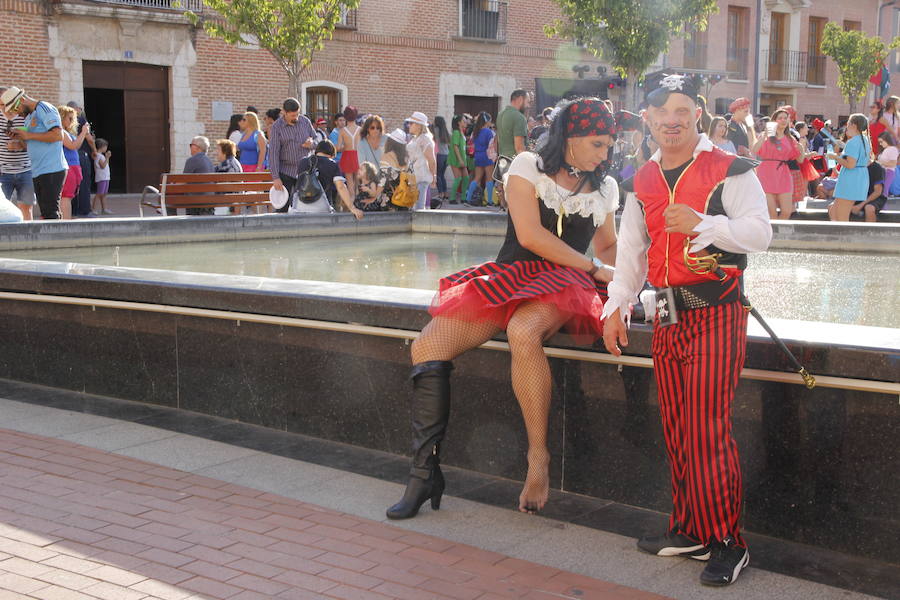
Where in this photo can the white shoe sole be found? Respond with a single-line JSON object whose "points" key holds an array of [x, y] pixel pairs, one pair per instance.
{"points": [[674, 551]]}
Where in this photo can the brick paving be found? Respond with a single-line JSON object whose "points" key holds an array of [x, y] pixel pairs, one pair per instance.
{"points": [[78, 524]]}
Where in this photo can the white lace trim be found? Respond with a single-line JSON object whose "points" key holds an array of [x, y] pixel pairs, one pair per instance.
{"points": [[591, 204]]}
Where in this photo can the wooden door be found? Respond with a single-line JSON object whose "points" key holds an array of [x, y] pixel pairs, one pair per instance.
{"points": [[145, 139], [475, 104], [322, 102], [777, 44]]}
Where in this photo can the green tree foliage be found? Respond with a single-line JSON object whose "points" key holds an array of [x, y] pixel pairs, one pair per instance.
{"points": [[858, 57], [291, 30], [629, 34]]}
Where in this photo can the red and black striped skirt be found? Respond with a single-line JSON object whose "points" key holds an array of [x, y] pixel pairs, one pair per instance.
{"points": [[493, 291]]}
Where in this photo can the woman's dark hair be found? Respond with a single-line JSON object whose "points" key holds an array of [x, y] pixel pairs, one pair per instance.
{"points": [[373, 119], [273, 113], [325, 147], [371, 171], [553, 152], [483, 119], [861, 123], [880, 106], [234, 124], [399, 150], [440, 130], [885, 135], [336, 116], [454, 124], [350, 113]]}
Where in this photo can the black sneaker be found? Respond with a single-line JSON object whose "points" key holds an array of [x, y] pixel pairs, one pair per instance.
{"points": [[673, 543], [726, 563]]}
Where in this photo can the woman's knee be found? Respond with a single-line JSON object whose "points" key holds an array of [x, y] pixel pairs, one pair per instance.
{"points": [[529, 329]]}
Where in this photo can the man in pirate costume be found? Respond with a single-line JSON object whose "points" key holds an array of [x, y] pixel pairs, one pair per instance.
{"points": [[741, 135], [692, 204], [561, 202]]}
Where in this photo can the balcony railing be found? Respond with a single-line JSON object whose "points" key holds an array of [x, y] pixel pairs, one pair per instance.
{"points": [[483, 19], [694, 56], [784, 65], [815, 70], [175, 5], [736, 62]]}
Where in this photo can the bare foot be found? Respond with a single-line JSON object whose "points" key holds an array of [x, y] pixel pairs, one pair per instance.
{"points": [[537, 483]]}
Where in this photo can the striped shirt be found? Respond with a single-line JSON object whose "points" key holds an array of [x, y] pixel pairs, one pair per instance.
{"points": [[286, 146], [12, 161]]}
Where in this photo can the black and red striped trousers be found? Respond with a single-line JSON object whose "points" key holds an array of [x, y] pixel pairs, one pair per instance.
{"points": [[697, 363]]}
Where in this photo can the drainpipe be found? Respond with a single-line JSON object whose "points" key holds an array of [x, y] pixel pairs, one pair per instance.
{"points": [[756, 60], [878, 34]]}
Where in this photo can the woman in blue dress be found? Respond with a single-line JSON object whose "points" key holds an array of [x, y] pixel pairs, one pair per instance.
{"points": [[853, 180], [252, 145], [482, 136]]}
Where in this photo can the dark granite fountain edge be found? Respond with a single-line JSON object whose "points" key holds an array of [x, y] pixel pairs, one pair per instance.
{"points": [[790, 558], [796, 235], [873, 353]]}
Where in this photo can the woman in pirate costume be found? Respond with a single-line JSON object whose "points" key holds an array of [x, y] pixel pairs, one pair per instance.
{"points": [[560, 202]]}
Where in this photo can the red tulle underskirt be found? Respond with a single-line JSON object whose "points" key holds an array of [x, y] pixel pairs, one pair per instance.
{"points": [[492, 292]]}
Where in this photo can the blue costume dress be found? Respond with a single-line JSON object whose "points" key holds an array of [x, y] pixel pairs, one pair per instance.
{"points": [[853, 184]]}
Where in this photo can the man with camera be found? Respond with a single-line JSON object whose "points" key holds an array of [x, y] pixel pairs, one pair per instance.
{"points": [[15, 166], [42, 134]]}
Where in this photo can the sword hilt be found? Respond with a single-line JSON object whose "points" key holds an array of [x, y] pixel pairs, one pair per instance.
{"points": [[808, 380]]}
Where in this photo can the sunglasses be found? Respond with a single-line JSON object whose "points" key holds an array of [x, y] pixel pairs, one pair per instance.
{"points": [[374, 128]]}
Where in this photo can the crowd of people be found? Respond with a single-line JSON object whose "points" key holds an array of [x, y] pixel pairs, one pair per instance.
{"points": [[852, 164], [50, 157], [359, 158], [360, 165]]}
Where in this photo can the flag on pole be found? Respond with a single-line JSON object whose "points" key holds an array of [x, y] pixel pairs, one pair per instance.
{"points": [[882, 80]]}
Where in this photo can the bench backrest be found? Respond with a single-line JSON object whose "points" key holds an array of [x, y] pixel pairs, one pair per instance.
{"points": [[215, 189]]}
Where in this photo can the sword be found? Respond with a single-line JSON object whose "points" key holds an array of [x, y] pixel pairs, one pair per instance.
{"points": [[708, 263]]}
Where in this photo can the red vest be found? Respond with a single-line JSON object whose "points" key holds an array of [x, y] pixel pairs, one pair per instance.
{"points": [[695, 187]]}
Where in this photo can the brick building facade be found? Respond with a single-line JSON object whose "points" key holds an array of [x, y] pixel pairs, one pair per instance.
{"points": [[150, 81], [792, 69]]}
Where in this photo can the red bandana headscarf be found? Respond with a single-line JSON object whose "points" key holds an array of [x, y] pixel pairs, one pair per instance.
{"points": [[589, 116]]}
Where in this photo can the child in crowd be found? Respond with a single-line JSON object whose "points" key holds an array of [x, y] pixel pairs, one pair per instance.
{"points": [[369, 188], [101, 170]]}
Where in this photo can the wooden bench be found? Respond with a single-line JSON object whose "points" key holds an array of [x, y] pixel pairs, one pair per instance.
{"points": [[208, 190]]}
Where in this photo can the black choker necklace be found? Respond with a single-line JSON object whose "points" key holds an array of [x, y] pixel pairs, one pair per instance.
{"points": [[573, 171]]}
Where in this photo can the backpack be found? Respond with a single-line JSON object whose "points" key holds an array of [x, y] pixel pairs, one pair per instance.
{"points": [[405, 192], [309, 188]]}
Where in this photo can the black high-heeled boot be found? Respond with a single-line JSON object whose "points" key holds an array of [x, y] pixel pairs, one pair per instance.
{"points": [[431, 412]]}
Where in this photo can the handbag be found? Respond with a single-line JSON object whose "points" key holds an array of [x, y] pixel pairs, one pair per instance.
{"points": [[308, 189], [405, 193], [501, 166], [808, 171]]}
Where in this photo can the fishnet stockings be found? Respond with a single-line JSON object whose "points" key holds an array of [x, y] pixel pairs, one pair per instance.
{"points": [[445, 338], [533, 322], [528, 329]]}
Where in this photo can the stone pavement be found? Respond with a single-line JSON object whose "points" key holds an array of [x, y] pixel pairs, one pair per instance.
{"points": [[84, 523], [95, 507]]}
